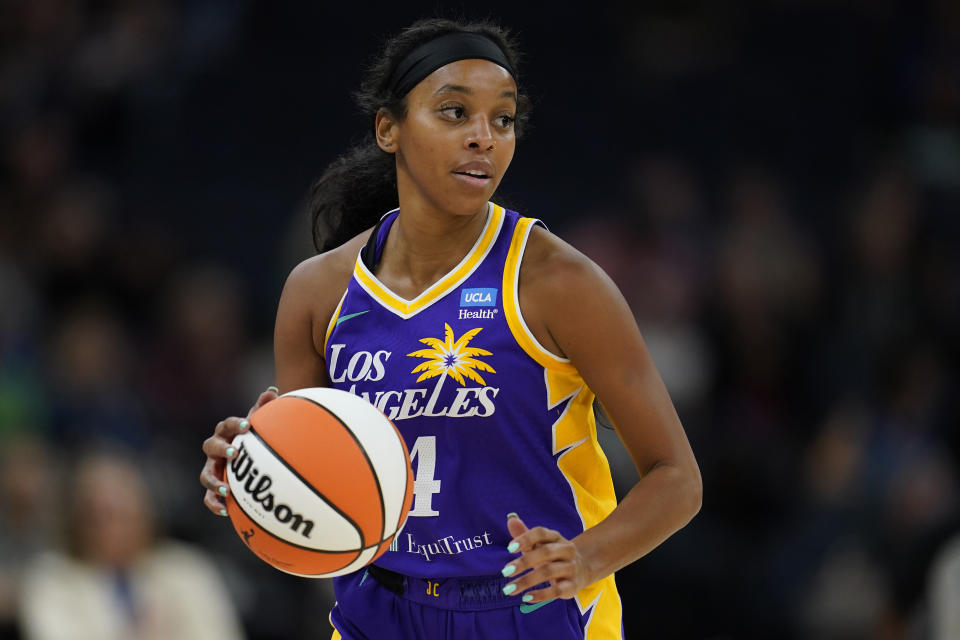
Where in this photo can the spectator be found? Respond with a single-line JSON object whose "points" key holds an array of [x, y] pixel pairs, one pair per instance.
{"points": [[115, 578]]}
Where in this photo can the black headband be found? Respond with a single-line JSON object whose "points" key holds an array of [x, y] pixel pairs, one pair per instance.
{"points": [[430, 56]]}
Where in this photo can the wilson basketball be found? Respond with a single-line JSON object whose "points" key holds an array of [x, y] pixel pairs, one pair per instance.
{"points": [[320, 484]]}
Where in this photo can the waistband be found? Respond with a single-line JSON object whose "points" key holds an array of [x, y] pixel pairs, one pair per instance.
{"points": [[472, 593]]}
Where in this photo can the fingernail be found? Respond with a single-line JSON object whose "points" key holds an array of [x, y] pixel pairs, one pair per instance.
{"points": [[527, 597], [508, 570], [223, 491], [230, 451], [513, 546], [223, 512], [244, 424], [510, 588], [273, 388], [512, 515]]}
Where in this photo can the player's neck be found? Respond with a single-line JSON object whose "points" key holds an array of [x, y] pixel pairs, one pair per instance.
{"points": [[425, 244]]}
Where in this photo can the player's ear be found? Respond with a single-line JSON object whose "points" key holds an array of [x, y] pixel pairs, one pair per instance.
{"points": [[386, 129]]}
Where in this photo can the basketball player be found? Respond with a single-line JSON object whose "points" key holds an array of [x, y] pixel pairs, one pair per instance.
{"points": [[484, 338]]}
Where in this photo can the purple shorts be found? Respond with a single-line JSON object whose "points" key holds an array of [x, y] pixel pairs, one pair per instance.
{"points": [[406, 608]]}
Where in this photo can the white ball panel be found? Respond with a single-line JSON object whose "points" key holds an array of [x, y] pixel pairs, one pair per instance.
{"points": [[378, 438], [330, 531]]}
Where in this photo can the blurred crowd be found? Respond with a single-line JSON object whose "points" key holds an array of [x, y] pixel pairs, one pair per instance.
{"points": [[778, 201]]}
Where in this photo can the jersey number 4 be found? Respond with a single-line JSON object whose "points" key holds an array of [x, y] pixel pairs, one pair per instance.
{"points": [[424, 456]]}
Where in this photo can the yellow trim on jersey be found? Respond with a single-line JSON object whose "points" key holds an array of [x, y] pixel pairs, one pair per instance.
{"points": [[511, 303], [333, 323], [581, 460], [585, 467], [407, 308], [606, 621], [336, 634]]}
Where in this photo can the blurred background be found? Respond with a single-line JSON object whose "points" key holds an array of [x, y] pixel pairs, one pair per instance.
{"points": [[774, 186]]}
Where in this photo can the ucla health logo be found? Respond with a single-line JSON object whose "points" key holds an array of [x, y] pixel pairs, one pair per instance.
{"points": [[478, 298]]}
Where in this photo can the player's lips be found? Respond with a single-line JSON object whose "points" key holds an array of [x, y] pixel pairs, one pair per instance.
{"points": [[477, 173]]}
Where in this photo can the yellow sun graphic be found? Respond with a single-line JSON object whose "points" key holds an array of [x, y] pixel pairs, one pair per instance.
{"points": [[452, 358]]}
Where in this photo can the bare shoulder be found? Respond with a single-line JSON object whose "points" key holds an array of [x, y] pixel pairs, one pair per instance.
{"points": [[314, 288], [559, 288], [309, 299], [323, 278], [552, 266]]}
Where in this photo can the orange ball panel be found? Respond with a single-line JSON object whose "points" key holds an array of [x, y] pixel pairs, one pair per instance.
{"points": [[326, 455]]}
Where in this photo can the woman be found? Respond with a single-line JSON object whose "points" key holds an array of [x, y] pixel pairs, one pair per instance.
{"points": [[116, 578], [497, 413]]}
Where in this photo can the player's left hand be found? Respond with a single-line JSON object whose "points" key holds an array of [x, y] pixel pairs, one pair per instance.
{"points": [[545, 555]]}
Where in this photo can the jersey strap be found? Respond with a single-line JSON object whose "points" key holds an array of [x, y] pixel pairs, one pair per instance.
{"points": [[511, 303]]}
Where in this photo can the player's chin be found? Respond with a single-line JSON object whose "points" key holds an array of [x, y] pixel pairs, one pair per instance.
{"points": [[468, 199], [470, 207]]}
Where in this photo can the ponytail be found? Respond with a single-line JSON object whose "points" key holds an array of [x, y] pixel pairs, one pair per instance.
{"points": [[351, 195]]}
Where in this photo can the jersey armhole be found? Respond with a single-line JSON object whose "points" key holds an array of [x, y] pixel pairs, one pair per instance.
{"points": [[333, 322], [511, 302]]}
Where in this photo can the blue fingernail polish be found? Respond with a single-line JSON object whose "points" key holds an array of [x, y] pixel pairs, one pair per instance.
{"points": [[508, 570], [230, 451], [513, 546], [510, 588], [244, 424], [223, 512], [223, 491], [527, 597]]}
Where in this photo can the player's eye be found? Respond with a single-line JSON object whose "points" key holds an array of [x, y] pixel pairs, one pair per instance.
{"points": [[505, 121], [453, 112]]}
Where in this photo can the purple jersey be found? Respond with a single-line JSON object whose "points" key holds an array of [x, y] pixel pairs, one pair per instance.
{"points": [[494, 422]]}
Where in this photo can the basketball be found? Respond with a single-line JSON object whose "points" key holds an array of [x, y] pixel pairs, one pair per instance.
{"points": [[320, 484]]}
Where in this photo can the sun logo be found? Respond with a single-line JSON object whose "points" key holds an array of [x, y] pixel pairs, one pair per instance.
{"points": [[452, 358]]}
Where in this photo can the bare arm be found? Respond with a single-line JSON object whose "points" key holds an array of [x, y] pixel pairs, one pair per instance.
{"points": [[576, 310], [298, 336], [310, 297]]}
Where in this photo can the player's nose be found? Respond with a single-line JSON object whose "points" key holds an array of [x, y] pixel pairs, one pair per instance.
{"points": [[480, 135]]}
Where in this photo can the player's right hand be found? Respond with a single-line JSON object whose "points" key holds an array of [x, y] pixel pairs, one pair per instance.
{"points": [[218, 450]]}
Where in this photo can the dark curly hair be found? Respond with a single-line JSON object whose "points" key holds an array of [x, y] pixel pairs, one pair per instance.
{"points": [[361, 185]]}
